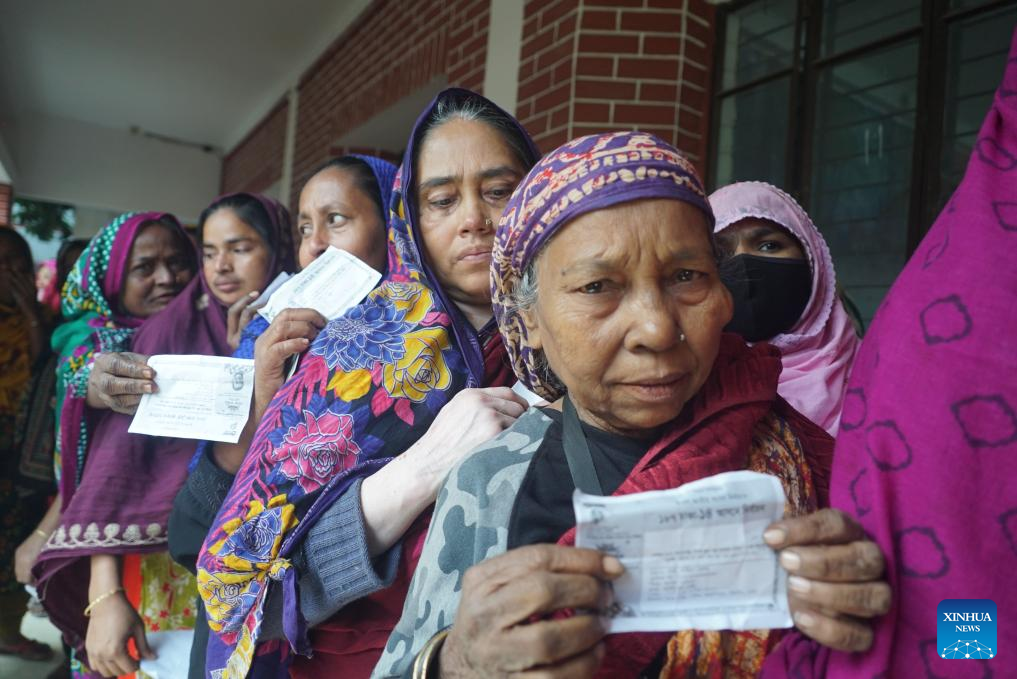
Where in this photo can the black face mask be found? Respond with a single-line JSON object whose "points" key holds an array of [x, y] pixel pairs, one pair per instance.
{"points": [[769, 294]]}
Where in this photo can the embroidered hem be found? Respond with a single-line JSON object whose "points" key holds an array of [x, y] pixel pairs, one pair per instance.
{"points": [[111, 536]]}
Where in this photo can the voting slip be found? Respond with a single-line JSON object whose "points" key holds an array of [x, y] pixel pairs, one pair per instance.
{"points": [[270, 290], [173, 654], [532, 399], [331, 284], [694, 555], [198, 397]]}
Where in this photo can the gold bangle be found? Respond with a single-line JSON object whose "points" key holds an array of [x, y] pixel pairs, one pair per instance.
{"points": [[99, 599], [42, 534], [422, 665]]}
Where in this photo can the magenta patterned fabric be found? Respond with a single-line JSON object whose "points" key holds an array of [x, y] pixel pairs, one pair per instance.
{"points": [[925, 457]]}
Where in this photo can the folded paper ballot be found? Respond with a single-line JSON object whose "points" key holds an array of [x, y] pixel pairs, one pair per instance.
{"points": [[331, 284], [694, 555], [528, 396], [173, 654], [270, 290], [199, 397]]}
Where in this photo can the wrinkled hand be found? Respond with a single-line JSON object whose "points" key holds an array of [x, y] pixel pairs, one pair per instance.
{"points": [[291, 332], [239, 315], [472, 417], [118, 380], [25, 557], [836, 577], [492, 637], [113, 622]]}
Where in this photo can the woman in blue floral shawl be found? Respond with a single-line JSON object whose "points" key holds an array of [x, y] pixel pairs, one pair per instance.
{"points": [[370, 385]]}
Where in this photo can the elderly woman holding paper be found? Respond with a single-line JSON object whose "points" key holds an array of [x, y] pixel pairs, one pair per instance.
{"points": [[105, 576], [606, 291]]}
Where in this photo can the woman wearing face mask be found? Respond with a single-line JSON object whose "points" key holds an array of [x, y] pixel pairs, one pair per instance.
{"points": [[927, 443], [606, 292], [116, 582], [780, 274], [341, 205], [396, 378]]}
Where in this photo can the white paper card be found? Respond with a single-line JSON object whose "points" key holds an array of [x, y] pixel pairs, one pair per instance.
{"points": [[528, 396], [198, 397], [270, 290], [694, 555], [174, 654], [330, 285]]}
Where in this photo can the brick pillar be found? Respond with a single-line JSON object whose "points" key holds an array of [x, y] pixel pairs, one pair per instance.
{"points": [[352, 81], [256, 162], [6, 198], [591, 66]]}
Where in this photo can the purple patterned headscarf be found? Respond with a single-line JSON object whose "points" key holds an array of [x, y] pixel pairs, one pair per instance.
{"points": [[928, 435], [587, 174]]}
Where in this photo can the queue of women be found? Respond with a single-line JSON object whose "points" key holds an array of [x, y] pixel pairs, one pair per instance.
{"points": [[393, 508]]}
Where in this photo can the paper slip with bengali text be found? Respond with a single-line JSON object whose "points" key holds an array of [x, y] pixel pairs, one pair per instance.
{"points": [[331, 284], [199, 397], [694, 555], [270, 290]]}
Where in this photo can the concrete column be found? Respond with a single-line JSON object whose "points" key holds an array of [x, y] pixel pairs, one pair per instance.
{"points": [[504, 42], [286, 182]]}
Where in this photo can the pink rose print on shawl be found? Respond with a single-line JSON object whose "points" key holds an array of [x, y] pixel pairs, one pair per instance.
{"points": [[314, 449]]}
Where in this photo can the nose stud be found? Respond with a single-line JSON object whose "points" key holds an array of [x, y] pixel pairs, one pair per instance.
{"points": [[681, 337], [488, 221]]}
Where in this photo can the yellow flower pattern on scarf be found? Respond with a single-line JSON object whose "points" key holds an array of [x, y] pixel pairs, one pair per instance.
{"points": [[422, 368], [220, 592]]}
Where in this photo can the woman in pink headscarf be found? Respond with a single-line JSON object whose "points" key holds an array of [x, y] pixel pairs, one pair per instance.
{"points": [[925, 458], [781, 277]]}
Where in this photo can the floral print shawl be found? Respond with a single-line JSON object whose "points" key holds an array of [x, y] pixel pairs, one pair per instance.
{"points": [[368, 387]]}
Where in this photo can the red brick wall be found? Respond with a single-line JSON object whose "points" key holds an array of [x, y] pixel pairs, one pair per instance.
{"points": [[385, 154], [586, 66], [256, 162], [547, 60], [5, 203], [394, 48], [597, 65]]}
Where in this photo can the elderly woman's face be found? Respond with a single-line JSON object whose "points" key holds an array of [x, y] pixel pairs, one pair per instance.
{"points": [[617, 289], [158, 268], [466, 174]]}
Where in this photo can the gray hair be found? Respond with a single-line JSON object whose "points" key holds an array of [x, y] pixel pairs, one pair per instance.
{"points": [[523, 298], [455, 106]]}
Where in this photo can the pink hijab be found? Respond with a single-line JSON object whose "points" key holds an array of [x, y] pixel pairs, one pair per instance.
{"points": [[925, 459], [819, 350]]}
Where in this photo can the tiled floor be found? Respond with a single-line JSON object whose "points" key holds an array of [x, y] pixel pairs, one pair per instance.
{"points": [[39, 629]]}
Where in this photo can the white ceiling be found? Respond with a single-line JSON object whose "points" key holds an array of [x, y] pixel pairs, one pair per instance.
{"points": [[204, 72]]}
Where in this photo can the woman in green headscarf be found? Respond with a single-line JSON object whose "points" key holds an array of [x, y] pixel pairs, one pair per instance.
{"points": [[132, 269]]}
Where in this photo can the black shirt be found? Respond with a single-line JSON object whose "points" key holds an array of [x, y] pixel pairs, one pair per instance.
{"points": [[543, 510]]}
